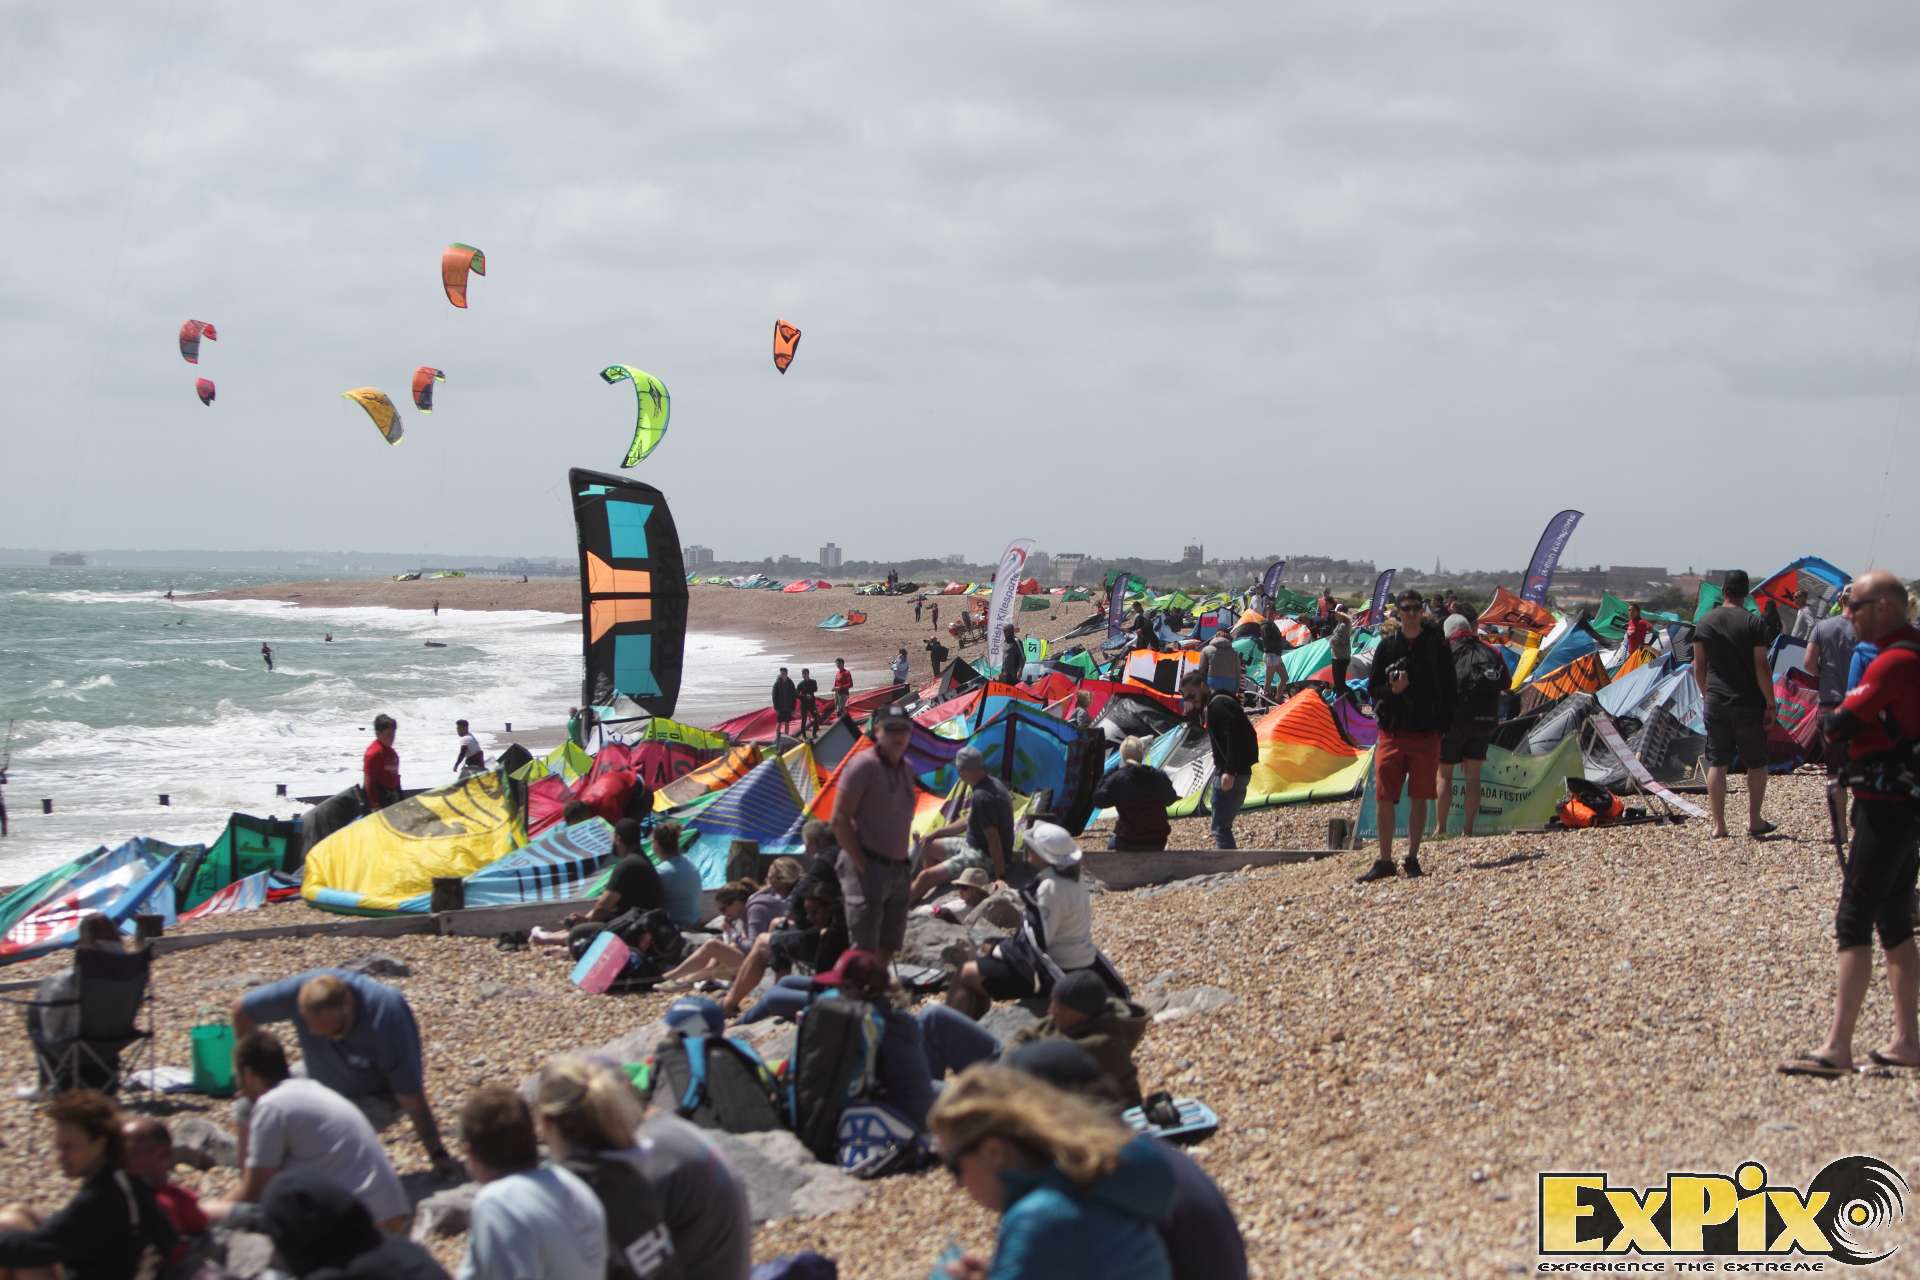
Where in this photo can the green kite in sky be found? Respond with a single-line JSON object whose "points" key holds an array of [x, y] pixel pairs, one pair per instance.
{"points": [[653, 407]]}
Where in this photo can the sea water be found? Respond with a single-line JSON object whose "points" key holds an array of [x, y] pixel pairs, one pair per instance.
{"points": [[117, 695]]}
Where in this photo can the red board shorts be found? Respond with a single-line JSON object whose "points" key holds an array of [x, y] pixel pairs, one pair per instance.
{"points": [[1410, 758]]}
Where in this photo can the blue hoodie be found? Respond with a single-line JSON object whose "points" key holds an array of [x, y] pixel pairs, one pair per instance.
{"points": [[1051, 1230]]}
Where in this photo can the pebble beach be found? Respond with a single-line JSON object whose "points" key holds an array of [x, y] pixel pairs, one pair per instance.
{"points": [[1394, 1065]]}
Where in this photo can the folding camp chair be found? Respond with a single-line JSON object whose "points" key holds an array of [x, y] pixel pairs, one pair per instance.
{"points": [[112, 994]]}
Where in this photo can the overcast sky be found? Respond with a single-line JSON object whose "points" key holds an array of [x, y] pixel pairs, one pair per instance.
{"points": [[1378, 280]]}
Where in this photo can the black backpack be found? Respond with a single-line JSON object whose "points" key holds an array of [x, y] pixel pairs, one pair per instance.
{"points": [[833, 1064], [652, 933], [1481, 677], [715, 1082]]}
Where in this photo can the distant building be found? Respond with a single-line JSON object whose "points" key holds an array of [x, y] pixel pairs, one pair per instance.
{"points": [[699, 557], [1193, 554], [830, 556], [66, 558], [954, 562], [788, 562], [1066, 565]]}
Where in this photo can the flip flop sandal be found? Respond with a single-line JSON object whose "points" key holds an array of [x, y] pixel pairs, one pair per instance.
{"points": [[1880, 1059], [1764, 829], [1812, 1064]]}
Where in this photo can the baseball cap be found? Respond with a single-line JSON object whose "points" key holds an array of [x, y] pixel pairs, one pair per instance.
{"points": [[1455, 625], [687, 1011], [1054, 844], [856, 969], [890, 715]]}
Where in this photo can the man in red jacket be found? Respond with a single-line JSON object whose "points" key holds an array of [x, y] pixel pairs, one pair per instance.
{"points": [[380, 767], [1880, 723]]}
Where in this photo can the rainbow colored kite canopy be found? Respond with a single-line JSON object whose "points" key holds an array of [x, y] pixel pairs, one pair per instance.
{"points": [[455, 262], [380, 409]]}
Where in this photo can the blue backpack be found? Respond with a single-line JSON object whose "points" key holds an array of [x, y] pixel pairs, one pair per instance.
{"points": [[716, 1083]]}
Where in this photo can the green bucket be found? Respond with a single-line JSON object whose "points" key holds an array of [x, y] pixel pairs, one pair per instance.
{"points": [[213, 1059]]}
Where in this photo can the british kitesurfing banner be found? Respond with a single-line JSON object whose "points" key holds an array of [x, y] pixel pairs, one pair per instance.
{"points": [[1006, 591], [1270, 584], [1117, 603], [1382, 586], [1546, 556]]}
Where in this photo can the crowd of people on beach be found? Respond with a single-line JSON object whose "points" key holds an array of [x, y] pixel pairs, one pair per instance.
{"points": [[594, 1170]]}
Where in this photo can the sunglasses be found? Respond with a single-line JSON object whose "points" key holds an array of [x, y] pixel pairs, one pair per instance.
{"points": [[951, 1159]]}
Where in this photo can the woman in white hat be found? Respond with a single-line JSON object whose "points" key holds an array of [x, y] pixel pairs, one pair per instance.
{"points": [[1058, 934]]}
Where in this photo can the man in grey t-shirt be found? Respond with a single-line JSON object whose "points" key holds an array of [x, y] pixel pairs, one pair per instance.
{"points": [[988, 826], [1736, 690], [302, 1124], [703, 1201]]}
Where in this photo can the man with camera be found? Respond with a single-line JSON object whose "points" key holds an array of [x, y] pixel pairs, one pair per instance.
{"points": [[1412, 686]]}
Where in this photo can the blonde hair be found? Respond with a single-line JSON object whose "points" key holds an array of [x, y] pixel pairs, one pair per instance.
{"points": [[592, 1106], [1076, 1137], [1134, 749], [783, 875]]}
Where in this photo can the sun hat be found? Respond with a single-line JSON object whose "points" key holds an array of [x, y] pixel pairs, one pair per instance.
{"points": [[973, 878], [1053, 844]]}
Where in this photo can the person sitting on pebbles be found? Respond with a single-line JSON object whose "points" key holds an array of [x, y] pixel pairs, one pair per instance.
{"points": [[970, 889]]}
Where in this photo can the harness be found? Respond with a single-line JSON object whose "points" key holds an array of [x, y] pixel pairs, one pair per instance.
{"points": [[1895, 771]]}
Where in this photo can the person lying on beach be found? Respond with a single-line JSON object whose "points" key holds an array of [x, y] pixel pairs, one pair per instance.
{"points": [[299, 1124], [1059, 922], [970, 889], [634, 885], [359, 1038]]}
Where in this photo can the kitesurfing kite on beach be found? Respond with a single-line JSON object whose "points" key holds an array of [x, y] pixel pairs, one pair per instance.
{"points": [[455, 263], [380, 409], [191, 331], [423, 379], [204, 387], [653, 407], [786, 341]]}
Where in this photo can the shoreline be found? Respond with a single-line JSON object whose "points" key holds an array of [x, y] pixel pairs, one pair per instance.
{"points": [[785, 625]]}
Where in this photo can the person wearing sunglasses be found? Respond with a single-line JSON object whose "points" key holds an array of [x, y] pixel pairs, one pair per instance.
{"points": [[1078, 1193], [1413, 690], [1880, 724]]}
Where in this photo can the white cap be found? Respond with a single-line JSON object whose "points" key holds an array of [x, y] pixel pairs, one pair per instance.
{"points": [[1455, 625], [1053, 844]]}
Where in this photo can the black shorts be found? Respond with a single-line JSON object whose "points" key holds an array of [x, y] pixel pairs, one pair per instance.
{"points": [[1736, 734], [789, 948], [1002, 980], [1876, 895], [1465, 741]]}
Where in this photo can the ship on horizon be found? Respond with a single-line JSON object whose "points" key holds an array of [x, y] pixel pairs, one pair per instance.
{"points": [[66, 558]]}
